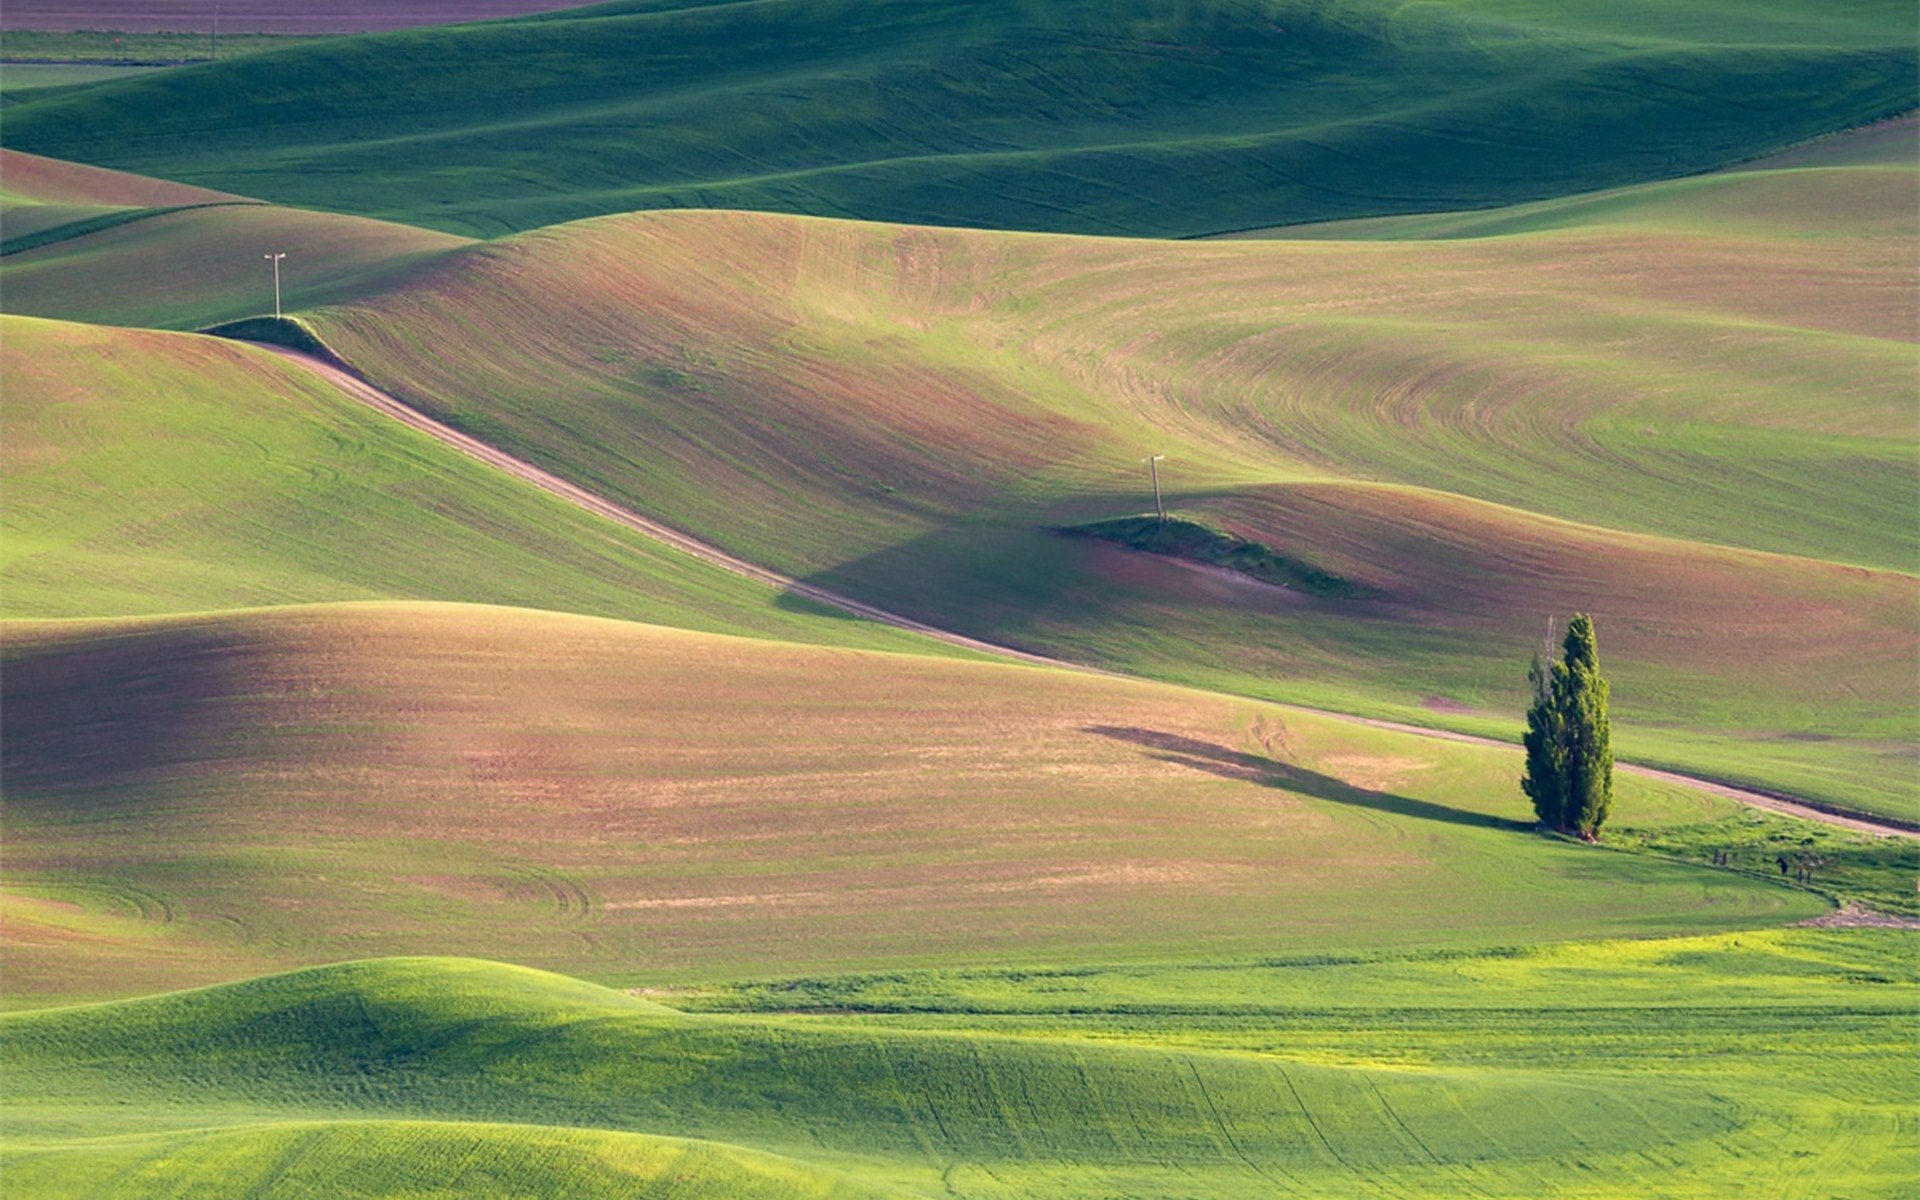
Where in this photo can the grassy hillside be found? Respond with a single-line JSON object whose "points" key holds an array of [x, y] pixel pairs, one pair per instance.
{"points": [[152, 473], [193, 795], [1846, 186], [1702, 431], [1387, 1078], [1149, 117], [104, 246]]}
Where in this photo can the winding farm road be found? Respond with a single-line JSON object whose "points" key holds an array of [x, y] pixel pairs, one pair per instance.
{"points": [[353, 385]]}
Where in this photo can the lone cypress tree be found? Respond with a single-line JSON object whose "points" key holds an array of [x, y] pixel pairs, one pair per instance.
{"points": [[1588, 734], [1545, 782], [1569, 744]]}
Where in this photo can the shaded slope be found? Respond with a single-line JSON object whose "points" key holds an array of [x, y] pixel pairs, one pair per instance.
{"points": [[1150, 118], [601, 796], [150, 472]]}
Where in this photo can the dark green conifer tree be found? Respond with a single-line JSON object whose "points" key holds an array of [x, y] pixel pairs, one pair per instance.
{"points": [[1545, 779], [1569, 775], [1588, 735]]}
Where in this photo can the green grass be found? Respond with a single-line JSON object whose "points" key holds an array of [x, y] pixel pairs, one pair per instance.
{"points": [[338, 1159], [154, 473], [1701, 436], [1193, 541], [1703, 439], [1665, 1068], [1877, 872], [1073, 115]]}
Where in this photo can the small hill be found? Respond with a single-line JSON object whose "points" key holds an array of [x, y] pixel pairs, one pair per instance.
{"points": [[592, 795], [191, 265], [1146, 117], [33, 179], [44, 200], [155, 472]]}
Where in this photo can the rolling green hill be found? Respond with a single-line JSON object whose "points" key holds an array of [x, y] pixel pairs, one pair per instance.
{"points": [[1700, 430], [1148, 117], [1703, 434], [108, 247], [192, 798], [437, 1077], [156, 472]]}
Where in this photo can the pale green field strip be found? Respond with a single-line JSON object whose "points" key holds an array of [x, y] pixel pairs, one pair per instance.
{"points": [[18, 77], [1765, 1064], [1740, 199]]}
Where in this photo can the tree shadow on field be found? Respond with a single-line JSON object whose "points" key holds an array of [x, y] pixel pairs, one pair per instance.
{"points": [[1216, 759]]}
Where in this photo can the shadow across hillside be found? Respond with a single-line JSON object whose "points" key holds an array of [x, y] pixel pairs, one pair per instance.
{"points": [[1216, 759], [91, 715]]}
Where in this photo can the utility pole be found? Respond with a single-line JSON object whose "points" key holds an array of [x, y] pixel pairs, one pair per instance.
{"points": [[275, 260], [1153, 465]]}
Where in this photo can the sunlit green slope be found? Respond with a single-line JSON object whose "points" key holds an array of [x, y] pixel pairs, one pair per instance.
{"points": [[1143, 117], [155, 472], [437, 1077]]}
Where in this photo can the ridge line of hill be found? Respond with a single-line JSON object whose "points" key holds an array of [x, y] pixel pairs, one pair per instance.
{"points": [[339, 373], [336, 372]]}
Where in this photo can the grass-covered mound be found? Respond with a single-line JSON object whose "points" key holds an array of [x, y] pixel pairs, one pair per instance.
{"points": [[1665, 1068], [1197, 542], [193, 794], [1146, 117]]}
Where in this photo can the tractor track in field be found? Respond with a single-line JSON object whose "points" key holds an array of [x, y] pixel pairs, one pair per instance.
{"points": [[342, 376]]}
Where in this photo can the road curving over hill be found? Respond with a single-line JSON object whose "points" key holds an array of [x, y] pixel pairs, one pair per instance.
{"points": [[341, 375]]}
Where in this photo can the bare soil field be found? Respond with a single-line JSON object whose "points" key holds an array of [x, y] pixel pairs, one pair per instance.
{"points": [[599, 796]]}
